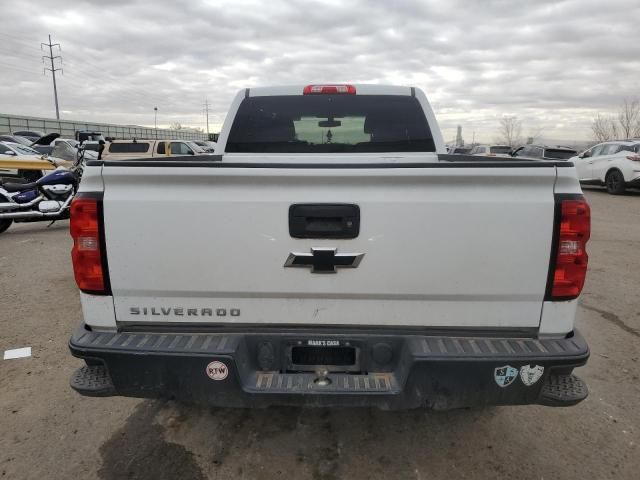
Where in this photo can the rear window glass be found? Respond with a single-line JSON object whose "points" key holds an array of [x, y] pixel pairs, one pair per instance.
{"points": [[139, 147], [629, 148], [500, 149], [330, 124], [559, 154]]}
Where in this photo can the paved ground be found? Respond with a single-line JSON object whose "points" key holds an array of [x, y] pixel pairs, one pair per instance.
{"points": [[48, 432]]}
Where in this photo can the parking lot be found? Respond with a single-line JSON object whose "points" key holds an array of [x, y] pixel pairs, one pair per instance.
{"points": [[48, 431]]}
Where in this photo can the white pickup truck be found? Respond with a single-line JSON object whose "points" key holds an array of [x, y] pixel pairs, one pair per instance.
{"points": [[331, 253]]}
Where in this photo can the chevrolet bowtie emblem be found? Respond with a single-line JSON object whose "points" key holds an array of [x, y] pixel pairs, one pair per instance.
{"points": [[324, 260]]}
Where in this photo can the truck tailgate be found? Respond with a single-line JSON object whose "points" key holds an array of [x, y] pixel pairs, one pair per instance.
{"points": [[459, 246]]}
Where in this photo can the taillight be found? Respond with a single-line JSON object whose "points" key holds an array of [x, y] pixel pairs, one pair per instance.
{"points": [[329, 89], [633, 158], [87, 252], [573, 229]]}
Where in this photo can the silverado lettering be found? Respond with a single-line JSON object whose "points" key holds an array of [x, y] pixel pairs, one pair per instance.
{"points": [[202, 312]]}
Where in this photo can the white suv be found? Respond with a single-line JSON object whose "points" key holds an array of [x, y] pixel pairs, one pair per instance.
{"points": [[613, 164]]}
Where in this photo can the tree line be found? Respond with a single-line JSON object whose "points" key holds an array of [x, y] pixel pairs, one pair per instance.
{"points": [[623, 125]]}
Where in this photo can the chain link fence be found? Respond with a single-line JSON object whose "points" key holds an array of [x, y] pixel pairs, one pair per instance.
{"points": [[68, 128]]}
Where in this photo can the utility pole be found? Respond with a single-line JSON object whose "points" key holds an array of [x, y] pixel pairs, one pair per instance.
{"points": [[53, 69], [155, 111], [206, 111]]}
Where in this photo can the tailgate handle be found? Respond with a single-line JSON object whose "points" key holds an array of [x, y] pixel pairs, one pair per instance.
{"points": [[324, 220]]}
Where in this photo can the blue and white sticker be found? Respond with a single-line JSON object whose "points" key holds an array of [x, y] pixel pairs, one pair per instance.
{"points": [[505, 376], [530, 375]]}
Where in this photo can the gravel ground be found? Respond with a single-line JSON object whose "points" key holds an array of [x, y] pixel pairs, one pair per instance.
{"points": [[48, 431]]}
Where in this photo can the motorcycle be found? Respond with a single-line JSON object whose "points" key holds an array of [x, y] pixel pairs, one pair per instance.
{"points": [[46, 199]]}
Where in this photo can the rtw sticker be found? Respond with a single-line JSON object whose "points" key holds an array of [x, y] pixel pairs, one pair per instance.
{"points": [[505, 376], [530, 375], [217, 371]]}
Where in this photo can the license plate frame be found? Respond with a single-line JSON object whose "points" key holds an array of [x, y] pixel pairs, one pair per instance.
{"points": [[333, 355]]}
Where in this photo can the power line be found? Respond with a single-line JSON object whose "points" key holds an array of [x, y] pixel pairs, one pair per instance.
{"points": [[17, 52], [53, 69], [100, 73], [19, 68], [24, 43], [21, 61]]}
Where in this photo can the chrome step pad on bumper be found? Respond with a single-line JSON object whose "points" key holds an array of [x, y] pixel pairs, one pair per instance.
{"points": [[563, 391], [275, 382], [93, 381]]}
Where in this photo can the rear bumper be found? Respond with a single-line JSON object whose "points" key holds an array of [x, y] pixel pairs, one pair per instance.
{"points": [[394, 371]]}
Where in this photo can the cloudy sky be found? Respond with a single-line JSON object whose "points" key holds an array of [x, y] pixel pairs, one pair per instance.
{"points": [[554, 64]]}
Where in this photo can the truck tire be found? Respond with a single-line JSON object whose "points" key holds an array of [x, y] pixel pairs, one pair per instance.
{"points": [[614, 182], [6, 223]]}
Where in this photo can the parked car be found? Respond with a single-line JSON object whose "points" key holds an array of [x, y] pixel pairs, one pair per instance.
{"points": [[207, 146], [44, 144], [18, 160], [32, 135], [16, 139], [43, 149], [459, 150], [87, 135], [615, 165], [491, 150], [89, 154], [45, 140], [545, 152], [126, 149], [21, 150], [70, 141], [307, 270]]}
